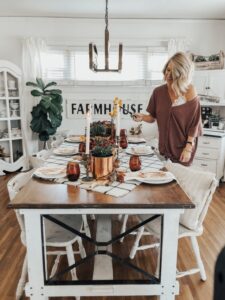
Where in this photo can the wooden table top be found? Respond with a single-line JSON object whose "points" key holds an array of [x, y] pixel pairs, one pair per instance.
{"points": [[42, 194]]}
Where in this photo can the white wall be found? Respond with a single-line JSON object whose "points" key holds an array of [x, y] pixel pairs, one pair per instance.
{"points": [[205, 37]]}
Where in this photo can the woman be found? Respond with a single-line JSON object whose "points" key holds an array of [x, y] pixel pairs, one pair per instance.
{"points": [[176, 108]]}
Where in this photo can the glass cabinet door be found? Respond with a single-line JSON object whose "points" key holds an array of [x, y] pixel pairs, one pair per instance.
{"points": [[17, 149], [12, 149], [12, 85], [3, 109], [4, 130], [2, 85], [5, 148], [14, 108], [16, 138]]}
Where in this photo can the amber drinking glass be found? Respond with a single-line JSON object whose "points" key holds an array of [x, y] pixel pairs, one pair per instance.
{"points": [[123, 132], [82, 147], [135, 163], [123, 139], [73, 171], [123, 142]]}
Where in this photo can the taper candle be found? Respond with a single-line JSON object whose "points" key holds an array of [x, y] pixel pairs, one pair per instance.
{"points": [[88, 125], [117, 119]]}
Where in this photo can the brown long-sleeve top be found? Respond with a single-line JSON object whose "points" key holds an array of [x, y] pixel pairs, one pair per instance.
{"points": [[175, 123]]}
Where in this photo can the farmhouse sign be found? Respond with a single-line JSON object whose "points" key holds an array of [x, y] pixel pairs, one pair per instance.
{"points": [[100, 108]]}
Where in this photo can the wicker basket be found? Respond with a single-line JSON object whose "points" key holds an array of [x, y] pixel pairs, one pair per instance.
{"points": [[209, 98], [212, 62]]}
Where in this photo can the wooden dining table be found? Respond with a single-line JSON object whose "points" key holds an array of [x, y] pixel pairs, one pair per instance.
{"points": [[39, 199]]}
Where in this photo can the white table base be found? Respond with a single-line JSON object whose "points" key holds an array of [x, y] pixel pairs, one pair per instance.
{"points": [[166, 289]]}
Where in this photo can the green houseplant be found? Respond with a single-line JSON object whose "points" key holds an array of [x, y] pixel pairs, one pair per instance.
{"points": [[47, 114]]}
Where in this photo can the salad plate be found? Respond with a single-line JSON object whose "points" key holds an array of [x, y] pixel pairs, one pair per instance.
{"points": [[73, 139], [136, 140], [140, 150], [50, 172], [65, 151], [151, 177]]}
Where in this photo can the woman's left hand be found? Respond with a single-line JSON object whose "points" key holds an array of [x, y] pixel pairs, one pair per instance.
{"points": [[185, 155]]}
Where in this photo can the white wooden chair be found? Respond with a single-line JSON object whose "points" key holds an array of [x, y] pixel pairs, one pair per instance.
{"points": [[39, 158], [39, 161], [58, 140], [200, 187], [56, 236]]}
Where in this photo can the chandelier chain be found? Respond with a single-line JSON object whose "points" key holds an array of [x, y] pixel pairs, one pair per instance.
{"points": [[93, 53], [106, 14]]}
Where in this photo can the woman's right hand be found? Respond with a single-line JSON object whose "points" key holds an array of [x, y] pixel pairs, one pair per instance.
{"points": [[138, 117]]}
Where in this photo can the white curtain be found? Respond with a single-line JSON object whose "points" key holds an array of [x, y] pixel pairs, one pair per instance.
{"points": [[32, 65], [176, 45]]}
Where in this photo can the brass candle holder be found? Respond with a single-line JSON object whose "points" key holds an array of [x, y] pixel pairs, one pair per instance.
{"points": [[117, 146], [87, 165]]}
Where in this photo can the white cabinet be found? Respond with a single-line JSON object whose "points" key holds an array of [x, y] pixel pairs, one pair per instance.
{"points": [[12, 148], [210, 154], [210, 82]]}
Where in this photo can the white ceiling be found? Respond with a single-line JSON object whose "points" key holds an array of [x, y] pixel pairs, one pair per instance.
{"points": [[173, 9]]}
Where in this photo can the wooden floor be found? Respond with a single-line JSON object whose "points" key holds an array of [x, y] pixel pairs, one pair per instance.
{"points": [[191, 287]]}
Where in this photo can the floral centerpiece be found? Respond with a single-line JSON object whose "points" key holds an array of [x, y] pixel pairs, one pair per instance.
{"points": [[102, 129], [102, 144], [102, 153], [115, 114]]}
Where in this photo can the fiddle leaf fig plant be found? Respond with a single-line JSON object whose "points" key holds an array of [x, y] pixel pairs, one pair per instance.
{"points": [[47, 114]]}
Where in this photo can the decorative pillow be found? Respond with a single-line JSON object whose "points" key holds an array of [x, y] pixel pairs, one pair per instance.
{"points": [[199, 186]]}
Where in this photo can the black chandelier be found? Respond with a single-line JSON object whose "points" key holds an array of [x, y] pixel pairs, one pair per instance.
{"points": [[93, 52]]}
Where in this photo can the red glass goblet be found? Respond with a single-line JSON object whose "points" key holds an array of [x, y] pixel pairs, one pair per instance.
{"points": [[73, 171], [135, 163], [123, 142], [123, 132], [123, 139]]}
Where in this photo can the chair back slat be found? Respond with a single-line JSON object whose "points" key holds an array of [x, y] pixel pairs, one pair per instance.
{"points": [[14, 185], [200, 187]]}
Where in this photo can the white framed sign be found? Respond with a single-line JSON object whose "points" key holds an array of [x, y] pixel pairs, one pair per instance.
{"points": [[76, 108]]}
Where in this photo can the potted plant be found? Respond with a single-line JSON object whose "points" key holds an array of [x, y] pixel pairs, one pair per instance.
{"points": [[97, 129], [102, 158], [102, 129], [47, 114]]}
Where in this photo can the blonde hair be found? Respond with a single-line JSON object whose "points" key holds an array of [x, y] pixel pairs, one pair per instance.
{"points": [[182, 71]]}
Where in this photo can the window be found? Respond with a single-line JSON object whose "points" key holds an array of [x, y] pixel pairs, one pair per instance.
{"points": [[133, 67], [156, 62], [139, 65], [58, 65]]}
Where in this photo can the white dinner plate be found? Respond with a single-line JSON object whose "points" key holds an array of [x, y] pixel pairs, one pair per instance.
{"points": [[73, 139], [65, 151], [136, 140], [157, 181], [50, 172], [140, 150], [152, 177]]}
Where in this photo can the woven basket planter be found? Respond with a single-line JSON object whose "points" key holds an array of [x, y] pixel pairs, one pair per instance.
{"points": [[212, 62]]}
